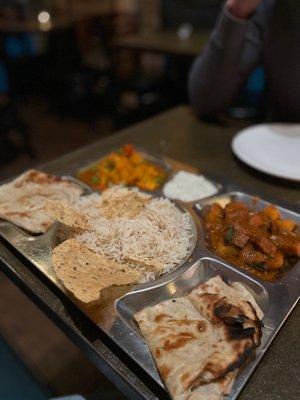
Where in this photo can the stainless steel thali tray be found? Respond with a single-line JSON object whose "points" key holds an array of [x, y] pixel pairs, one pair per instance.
{"points": [[276, 299]]}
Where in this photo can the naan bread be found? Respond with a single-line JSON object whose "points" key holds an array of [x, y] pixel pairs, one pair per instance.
{"points": [[236, 291], [214, 390], [217, 301], [23, 201], [195, 346], [91, 278]]}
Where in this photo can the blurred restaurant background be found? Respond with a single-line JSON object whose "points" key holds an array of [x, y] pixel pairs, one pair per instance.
{"points": [[72, 72]]}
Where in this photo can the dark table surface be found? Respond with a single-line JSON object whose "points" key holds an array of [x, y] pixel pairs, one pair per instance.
{"points": [[179, 135]]}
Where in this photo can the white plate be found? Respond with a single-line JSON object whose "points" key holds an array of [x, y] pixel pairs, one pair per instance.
{"points": [[270, 148]]}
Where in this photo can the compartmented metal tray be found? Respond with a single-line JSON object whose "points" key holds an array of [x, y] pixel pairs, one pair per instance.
{"points": [[169, 166], [276, 299]]}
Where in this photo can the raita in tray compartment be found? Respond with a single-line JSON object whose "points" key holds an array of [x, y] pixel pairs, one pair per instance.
{"points": [[189, 187], [254, 235]]}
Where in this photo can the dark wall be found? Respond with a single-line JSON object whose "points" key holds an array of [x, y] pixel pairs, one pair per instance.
{"points": [[200, 13]]}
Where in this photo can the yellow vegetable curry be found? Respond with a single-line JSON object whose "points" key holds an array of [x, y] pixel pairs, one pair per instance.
{"points": [[124, 166]]}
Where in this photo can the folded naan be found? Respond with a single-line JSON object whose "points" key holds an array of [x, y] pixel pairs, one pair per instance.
{"points": [[23, 200], [198, 342], [236, 291], [234, 305]]}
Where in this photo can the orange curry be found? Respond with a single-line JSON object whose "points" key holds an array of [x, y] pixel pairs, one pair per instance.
{"points": [[261, 242], [124, 166]]}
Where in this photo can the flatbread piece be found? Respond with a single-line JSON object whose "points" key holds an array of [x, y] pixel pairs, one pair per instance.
{"points": [[23, 200], [199, 341]]}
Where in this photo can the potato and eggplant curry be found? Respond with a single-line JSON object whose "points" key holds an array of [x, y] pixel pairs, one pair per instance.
{"points": [[261, 242], [125, 166]]}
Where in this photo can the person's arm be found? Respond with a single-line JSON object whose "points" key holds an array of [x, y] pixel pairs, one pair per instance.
{"points": [[233, 51], [242, 9]]}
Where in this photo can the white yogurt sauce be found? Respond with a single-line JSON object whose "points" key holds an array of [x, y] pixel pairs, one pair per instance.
{"points": [[186, 186]]}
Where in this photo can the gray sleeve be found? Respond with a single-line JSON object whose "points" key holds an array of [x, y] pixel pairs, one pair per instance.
{"points": [[218, 74]]}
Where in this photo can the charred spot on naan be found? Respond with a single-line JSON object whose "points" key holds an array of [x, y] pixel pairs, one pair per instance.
{"points": [[239, 318], [213, 390], [42, 177], [157, 352], [164, 371], [206, 304], [178, 340], [166, 325], [160, 317], [217, 368], [21, 214], [237, 324], [201, 325], [223, 381]]}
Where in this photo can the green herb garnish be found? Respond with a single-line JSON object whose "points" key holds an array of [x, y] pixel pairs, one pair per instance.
{"points": [[259, 266], [158, 180], [95, 180], [120, 151], [229, 234]]}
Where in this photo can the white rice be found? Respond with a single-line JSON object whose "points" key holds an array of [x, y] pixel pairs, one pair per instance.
{"points": [[159, 235]]}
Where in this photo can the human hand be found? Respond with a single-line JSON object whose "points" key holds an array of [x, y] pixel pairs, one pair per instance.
{"points": [[242, 8]]}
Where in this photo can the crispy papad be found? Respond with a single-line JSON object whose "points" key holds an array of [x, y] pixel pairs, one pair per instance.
{"points": [[194, 349], [23, 200], [118, 202], [66, 214], [91, 278]]}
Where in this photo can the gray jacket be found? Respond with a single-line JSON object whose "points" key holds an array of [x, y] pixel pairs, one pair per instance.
{"points": [[271, 37]]}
